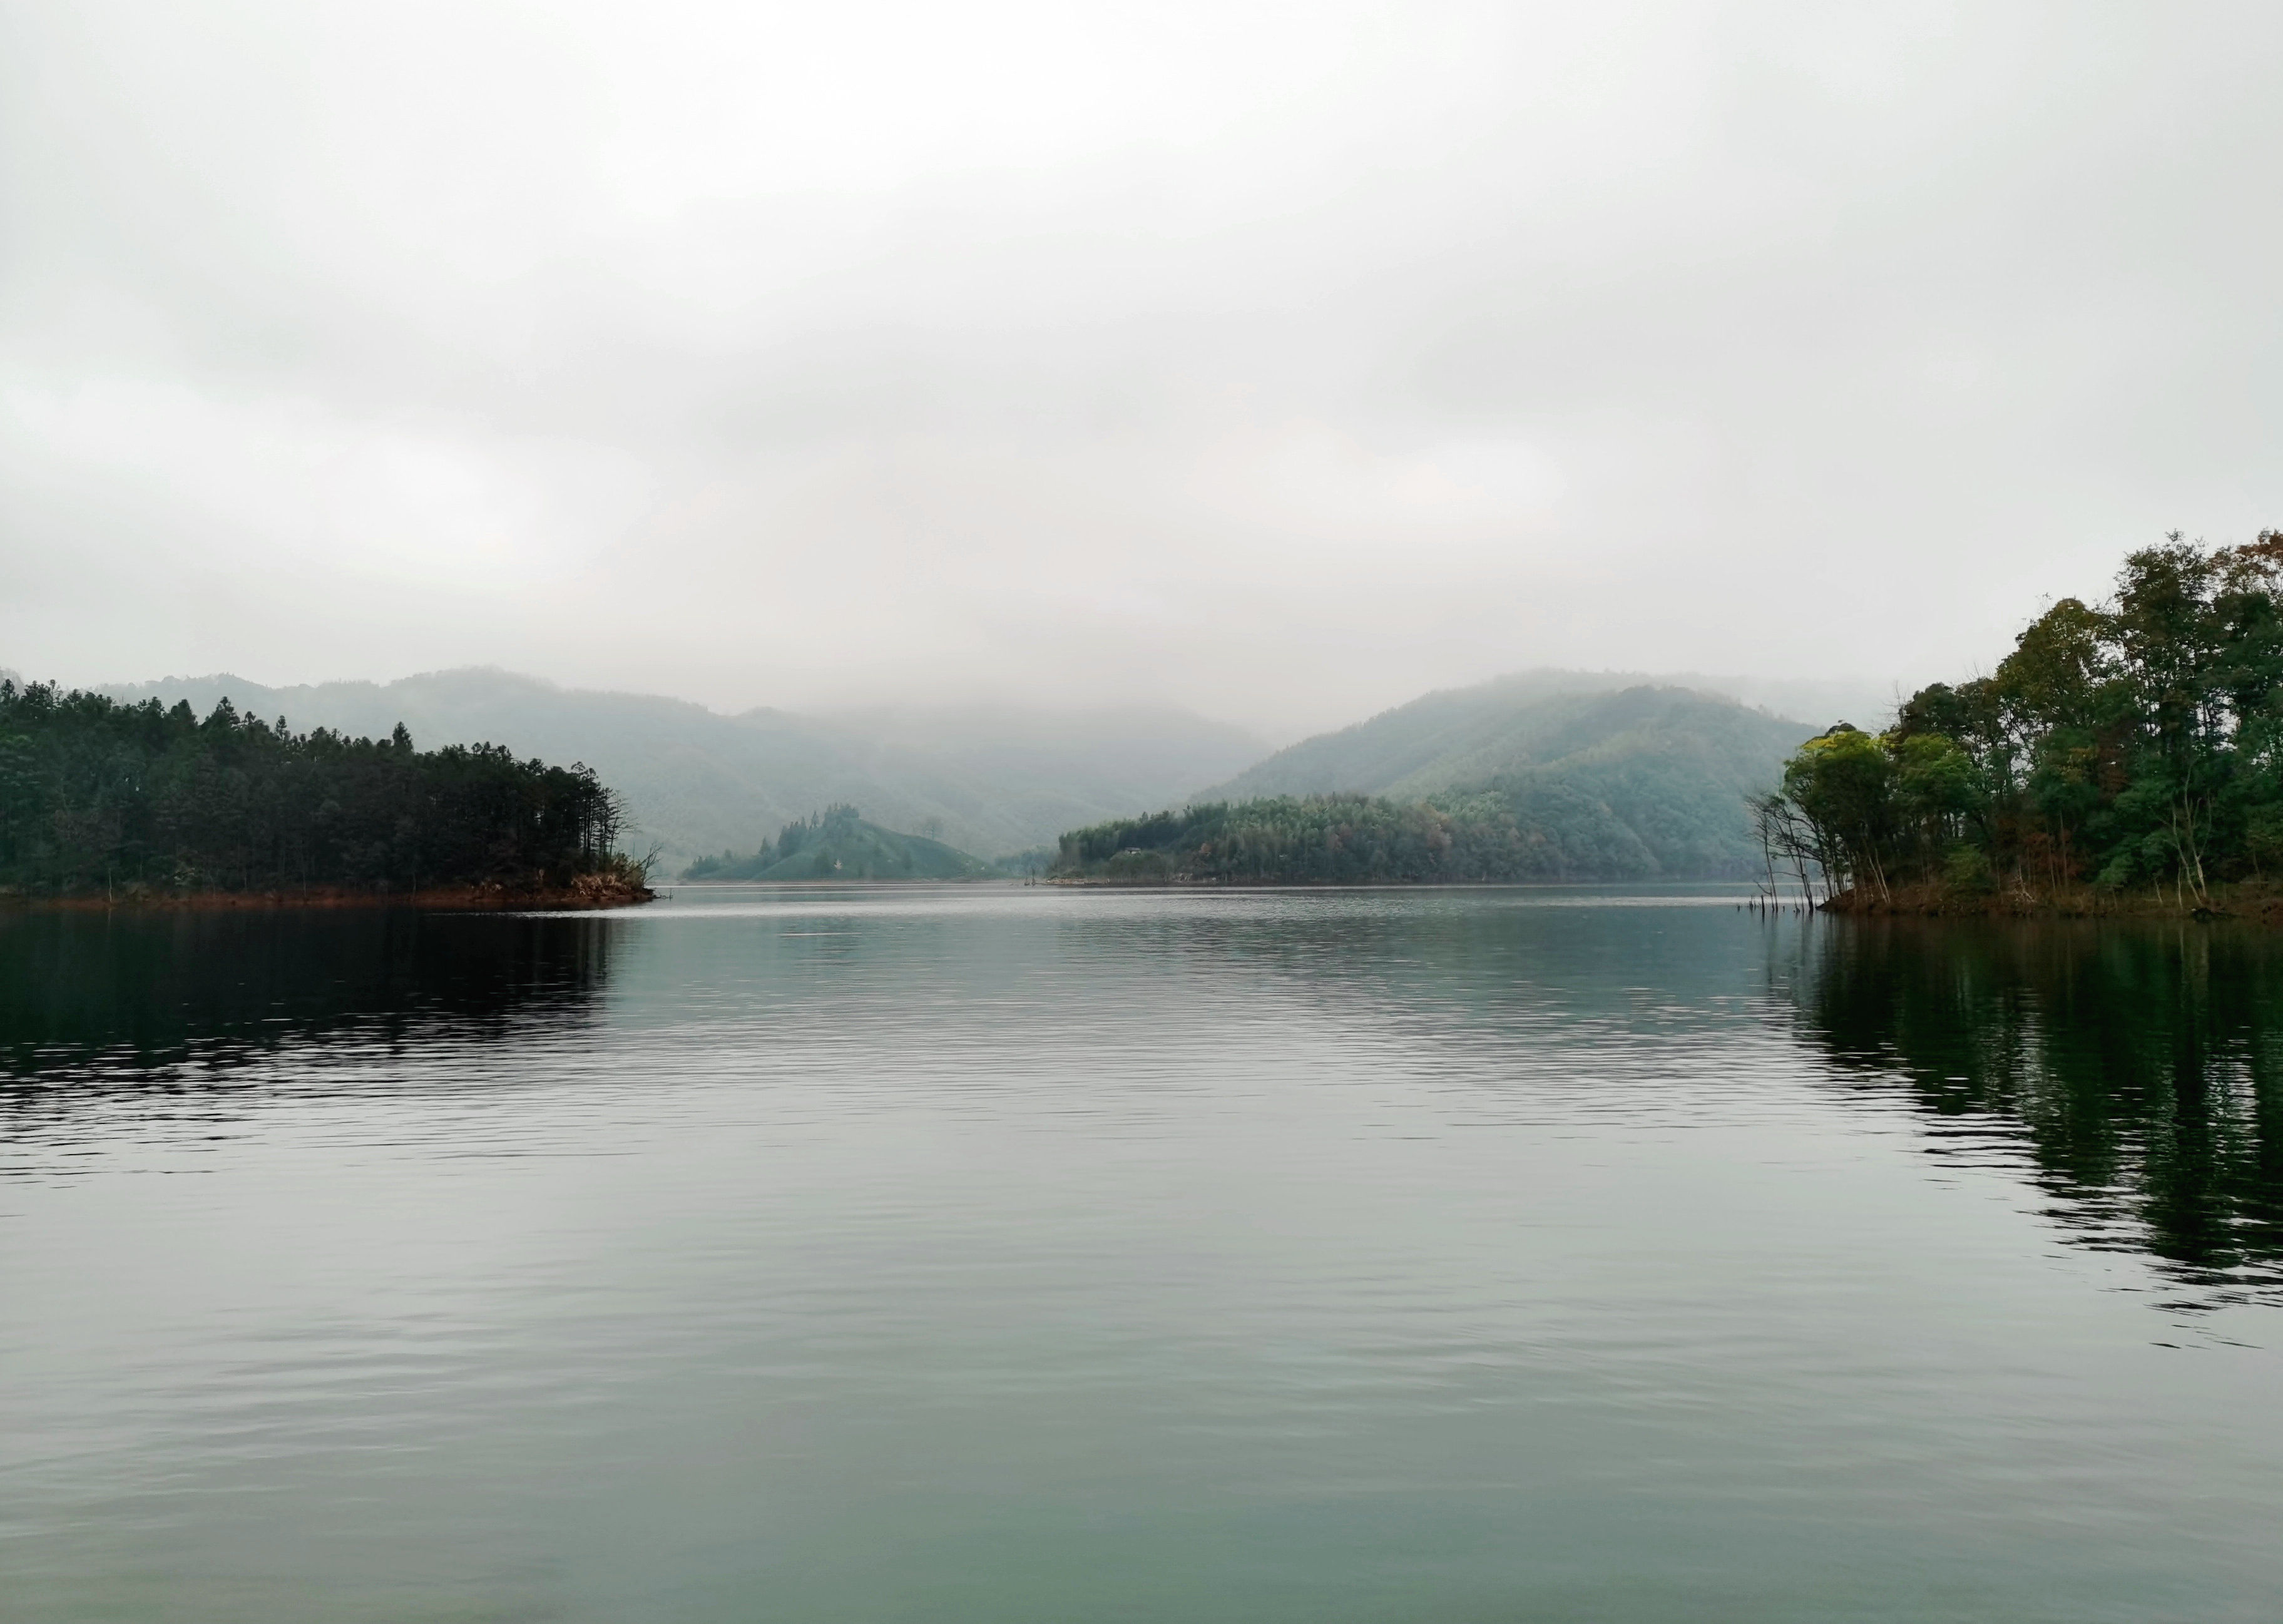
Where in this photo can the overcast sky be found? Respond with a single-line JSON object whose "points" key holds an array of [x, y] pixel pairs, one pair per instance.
{"points": [[1281, 361]]}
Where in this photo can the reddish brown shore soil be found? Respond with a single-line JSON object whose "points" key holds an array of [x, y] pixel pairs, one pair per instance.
{"points": [[588, 892], [2258, 901]]}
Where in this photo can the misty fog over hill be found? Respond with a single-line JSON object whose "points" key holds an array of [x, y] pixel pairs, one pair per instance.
{"points": [[987, 781], [1600, 781], [1543, 719], [1662, 752]]}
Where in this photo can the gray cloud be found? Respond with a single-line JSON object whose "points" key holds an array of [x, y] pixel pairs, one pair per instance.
{"points": [[1281, 362]]}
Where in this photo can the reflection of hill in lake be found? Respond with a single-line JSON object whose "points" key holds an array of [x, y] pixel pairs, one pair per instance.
{"points": [[130, 999], [2140, 1070]]}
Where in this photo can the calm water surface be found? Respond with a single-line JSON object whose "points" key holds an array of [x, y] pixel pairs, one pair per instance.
{"points": [[1012, 1254]]}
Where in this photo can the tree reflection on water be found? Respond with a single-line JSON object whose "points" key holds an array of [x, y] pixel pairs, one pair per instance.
{"points": [[119, 1003], [2137, 1069]]}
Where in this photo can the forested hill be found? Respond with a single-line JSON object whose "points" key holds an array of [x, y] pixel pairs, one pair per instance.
{"points": [[101, 798], [992, 780], [1466, 735], [1643, 782], [839, 844]]}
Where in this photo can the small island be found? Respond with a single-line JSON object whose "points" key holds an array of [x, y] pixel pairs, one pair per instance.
{"points": [[102, 803], [837, 844]]}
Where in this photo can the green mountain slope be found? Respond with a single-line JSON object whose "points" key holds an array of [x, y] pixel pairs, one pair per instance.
{"points": [[991, 780], [839, 844], [1639, 782], [1463, 736]]}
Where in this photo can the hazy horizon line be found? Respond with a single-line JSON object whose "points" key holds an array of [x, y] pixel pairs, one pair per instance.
{"points": [[1755, 690]]}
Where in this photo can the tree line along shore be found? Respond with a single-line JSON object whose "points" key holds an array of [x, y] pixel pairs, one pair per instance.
{"points": [[103, 802], [1500, 832]]}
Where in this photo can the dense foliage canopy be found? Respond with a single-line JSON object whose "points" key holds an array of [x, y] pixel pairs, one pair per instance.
{"points": [[1514, 830], [97, 794], [2136, 742]]}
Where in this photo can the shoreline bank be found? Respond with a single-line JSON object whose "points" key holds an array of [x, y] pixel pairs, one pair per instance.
{"points": [[589, 893], [2256, 902]]}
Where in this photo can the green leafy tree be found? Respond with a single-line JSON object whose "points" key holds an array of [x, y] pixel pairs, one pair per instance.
{"points": [[2140, 741]]}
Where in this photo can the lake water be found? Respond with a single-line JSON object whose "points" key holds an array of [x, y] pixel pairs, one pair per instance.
{"points": [[1016, 1255]]}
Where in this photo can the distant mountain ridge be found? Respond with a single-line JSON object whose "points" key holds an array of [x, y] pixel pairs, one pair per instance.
{"points": [[990, 781], [1456, 737], [1651, 769]]}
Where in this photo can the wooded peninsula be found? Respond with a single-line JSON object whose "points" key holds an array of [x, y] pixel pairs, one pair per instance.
{"points": [[137, 803], [2125, 753]]}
